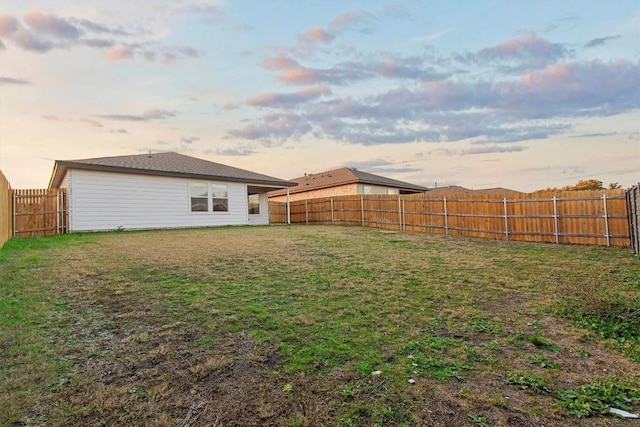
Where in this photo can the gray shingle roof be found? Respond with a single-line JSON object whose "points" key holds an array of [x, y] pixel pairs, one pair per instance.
{"points": [[165, 164], [344, 176]]}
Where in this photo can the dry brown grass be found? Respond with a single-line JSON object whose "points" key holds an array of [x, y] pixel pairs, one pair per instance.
{"points": [[283, 326]]}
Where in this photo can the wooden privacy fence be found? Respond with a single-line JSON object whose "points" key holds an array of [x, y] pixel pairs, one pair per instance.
{"points": [[6, 219], [39, 212], [633, 212], [587, 217]]}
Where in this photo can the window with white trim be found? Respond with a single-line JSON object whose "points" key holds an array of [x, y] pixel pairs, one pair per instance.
{"points": [[208, 197]]}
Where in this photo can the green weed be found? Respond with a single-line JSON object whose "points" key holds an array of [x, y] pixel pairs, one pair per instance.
{"points": [[541, 361], [597, 397], [540, 342], [531, 382]]}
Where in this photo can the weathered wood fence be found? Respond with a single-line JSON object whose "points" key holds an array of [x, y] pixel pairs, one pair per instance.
{"points": [[586, 217], [6, 219], [633, 212], [39, 212]]}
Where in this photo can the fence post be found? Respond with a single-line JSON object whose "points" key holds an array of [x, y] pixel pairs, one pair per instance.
{"points": [[606, 220], [14, 204], [446, 220], [332, 211], [632, 197], [399, 214], [555, 219], [633, 201], [58, 212], [506, 220], [306, 213], [63, 209], [362, 209]]}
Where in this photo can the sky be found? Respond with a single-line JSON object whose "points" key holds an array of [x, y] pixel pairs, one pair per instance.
{"points": [[517, 94]]}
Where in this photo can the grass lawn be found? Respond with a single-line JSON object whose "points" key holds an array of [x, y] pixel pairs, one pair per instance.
{"points": [[313, 326]]}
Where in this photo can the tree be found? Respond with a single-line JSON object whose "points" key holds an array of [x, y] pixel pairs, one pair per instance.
{"points": [[587, 184], [614, 186]]}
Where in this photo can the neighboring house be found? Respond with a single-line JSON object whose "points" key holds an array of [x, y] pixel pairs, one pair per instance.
{"points": [[456, 189], [341, 182], [161, 190]]}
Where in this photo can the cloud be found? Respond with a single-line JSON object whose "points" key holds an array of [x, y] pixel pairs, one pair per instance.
{"points": [[8, 25], [601, 41], [316, 34], [190, 139], [237, 151], [213, 12], [243, 27], [52, 118], [147, 116], [96, 27], [347, 72], [166, 54], [435, 36], [26, 40], [380, 166], [348, 20], [99, 43], [121, 131], [280, 100], [52, 25], [594, 135], [449, 107], [578, 89], [409, 68], [119, 53], [476, 150], [301, 76], [279, 63], [308, 41], [92, 122], [552, 26], [274, 127], [43, 32], [525, 52], [172, 53], [13, 81]]}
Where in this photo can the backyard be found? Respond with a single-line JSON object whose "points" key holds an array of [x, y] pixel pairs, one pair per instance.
{"points": [[315, 326]]}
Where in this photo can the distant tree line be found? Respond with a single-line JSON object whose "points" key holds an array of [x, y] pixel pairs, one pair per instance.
{"points": [[587, 184]]}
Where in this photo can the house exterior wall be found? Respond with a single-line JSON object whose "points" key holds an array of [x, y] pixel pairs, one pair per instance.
{"points": [[263, 217], [340, 190], [107, 201]]}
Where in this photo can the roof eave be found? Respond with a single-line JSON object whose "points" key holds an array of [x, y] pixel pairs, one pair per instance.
{"points": [[57, 175], [106, 168]]}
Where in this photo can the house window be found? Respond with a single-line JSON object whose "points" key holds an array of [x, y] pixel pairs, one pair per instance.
{"points": [[219, 198], [208, 197], [199, 197], [254, 204]]}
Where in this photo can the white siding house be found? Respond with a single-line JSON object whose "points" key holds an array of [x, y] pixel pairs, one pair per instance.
{"points": [[166, 190]]}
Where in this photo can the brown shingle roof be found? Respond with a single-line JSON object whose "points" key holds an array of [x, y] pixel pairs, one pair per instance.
{"points": [[336, 177], [456, 189], [165, 164]]}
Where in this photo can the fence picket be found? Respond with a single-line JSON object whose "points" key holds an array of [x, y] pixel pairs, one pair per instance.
{"points": [[558, 217], [39, 212]]}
